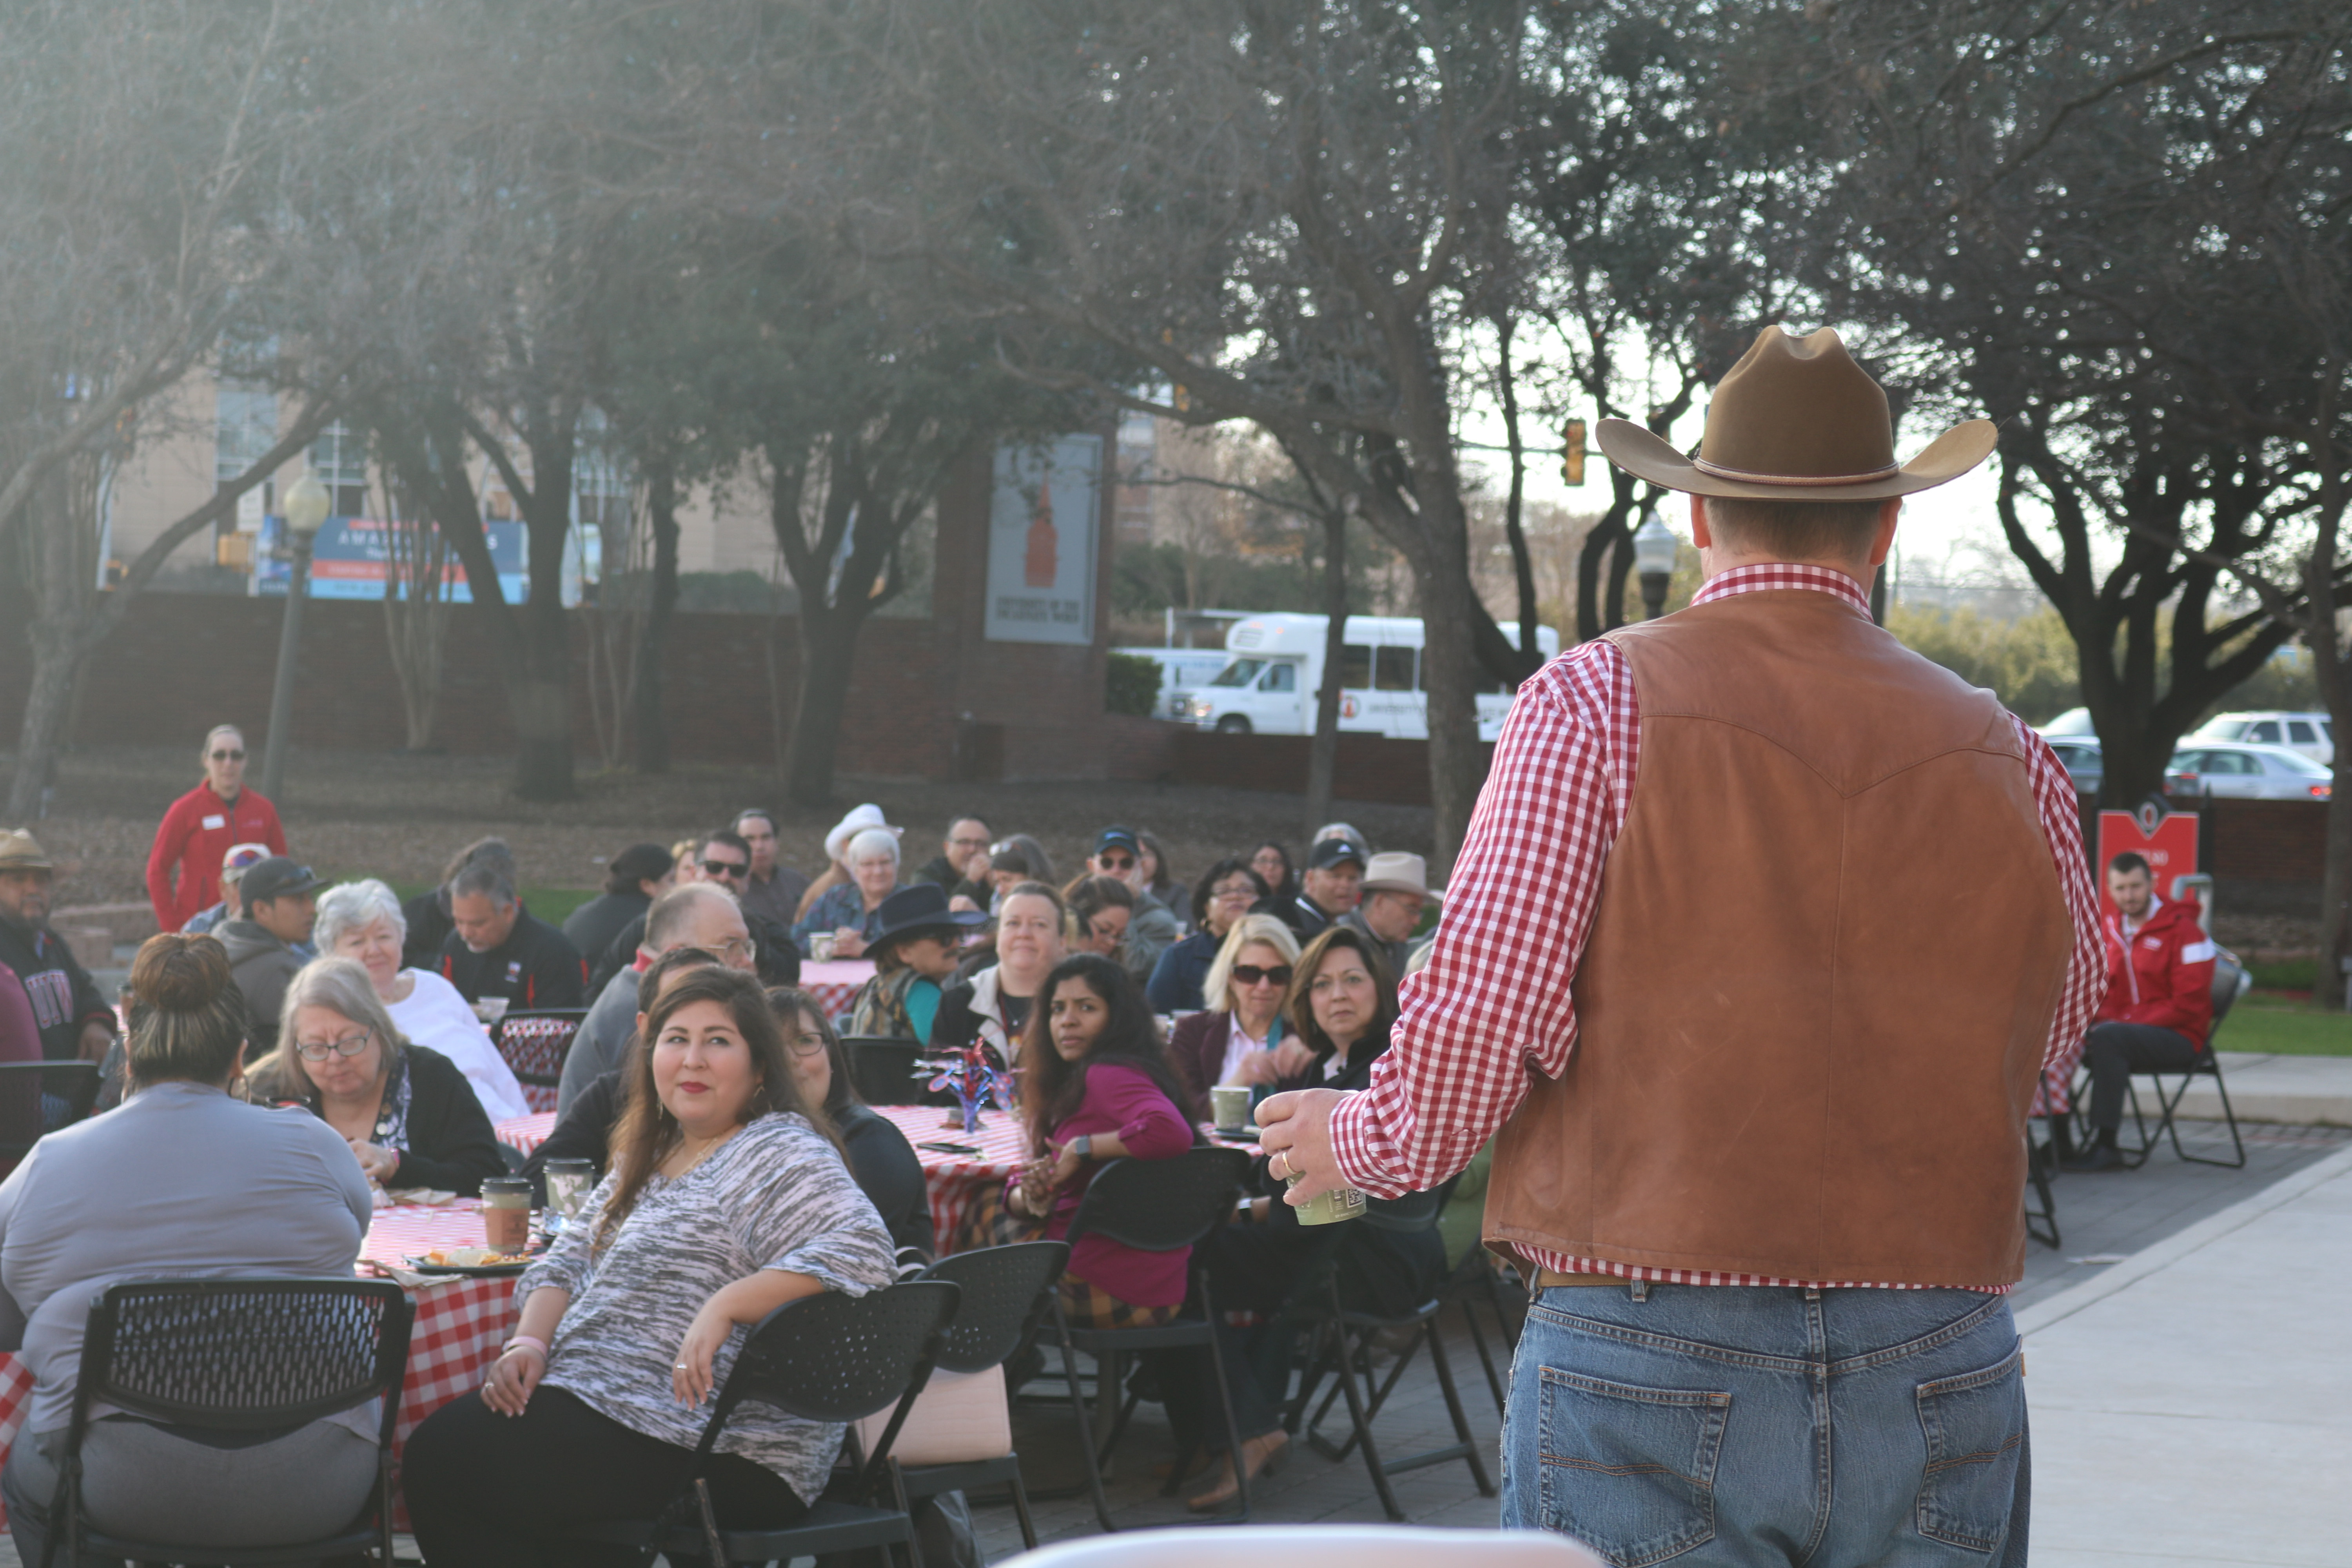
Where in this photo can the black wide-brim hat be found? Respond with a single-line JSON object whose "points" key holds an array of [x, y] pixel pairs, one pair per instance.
{"points": [[1797, 419], [921, 909]]}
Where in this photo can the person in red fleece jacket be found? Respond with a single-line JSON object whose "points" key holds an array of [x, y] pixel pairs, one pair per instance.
{"points": [[202, 827], [2159, 1002]]}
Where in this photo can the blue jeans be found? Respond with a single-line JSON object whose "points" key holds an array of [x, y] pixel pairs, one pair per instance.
{"points": [[1741, 1426]]}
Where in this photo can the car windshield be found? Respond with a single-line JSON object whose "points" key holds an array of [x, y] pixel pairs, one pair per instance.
{"points": [[1241, 672]]}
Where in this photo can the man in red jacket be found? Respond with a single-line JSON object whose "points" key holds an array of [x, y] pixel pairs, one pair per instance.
{"points": [[2159, 1003], [202, 827]]}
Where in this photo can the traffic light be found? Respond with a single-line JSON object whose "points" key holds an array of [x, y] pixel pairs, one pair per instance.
{"points": [[1572, 448]]}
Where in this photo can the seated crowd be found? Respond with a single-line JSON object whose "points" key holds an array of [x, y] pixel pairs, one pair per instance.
{"points": [[335, 1046]]}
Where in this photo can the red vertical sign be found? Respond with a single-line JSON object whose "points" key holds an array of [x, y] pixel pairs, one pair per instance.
{"points": [[2167, 841]]}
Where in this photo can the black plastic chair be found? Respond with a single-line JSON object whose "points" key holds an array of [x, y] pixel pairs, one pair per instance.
{"points": [[237, 1355], [37, 1098], [1343, 1336], [1477, 1280], [534, 1044], [1007, 1292], [1152, 1205], [2230, 982], [827, 1357], [884, 1069]]}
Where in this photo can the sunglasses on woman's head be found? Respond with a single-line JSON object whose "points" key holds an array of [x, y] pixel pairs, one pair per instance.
{"points": [[1251, 974]]}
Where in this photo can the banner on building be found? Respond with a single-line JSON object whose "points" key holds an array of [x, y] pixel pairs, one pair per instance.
{"points": [[351, 559], [2165, 840], [1042, 537]]}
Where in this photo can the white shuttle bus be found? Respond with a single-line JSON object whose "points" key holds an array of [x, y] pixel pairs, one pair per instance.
{"points": [[1274, 670]]}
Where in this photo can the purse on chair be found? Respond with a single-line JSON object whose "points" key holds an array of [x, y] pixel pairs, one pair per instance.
{"points": [[959, 1417]]}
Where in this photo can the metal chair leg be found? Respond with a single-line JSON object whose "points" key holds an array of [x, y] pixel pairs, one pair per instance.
{"points": [[2229, 1116], [1362, 1423], [1079, 1414], [1021, 1509], [1462, 1433], [1226, 1405]]}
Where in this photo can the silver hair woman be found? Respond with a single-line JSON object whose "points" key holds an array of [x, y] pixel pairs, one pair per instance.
{"points": [[362, 920], [850, 912], [408, 1114]]}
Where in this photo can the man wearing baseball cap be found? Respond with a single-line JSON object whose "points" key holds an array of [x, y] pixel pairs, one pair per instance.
{"points": [[73, 1019], [234, 865], [1152, 929], [1333, 883], [1765, 1177], [266, 945]]}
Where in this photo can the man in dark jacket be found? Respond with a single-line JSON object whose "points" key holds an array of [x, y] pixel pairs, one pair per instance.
{"points": [[499, 948], [1332, 886], [2160, 1001], [264, 945], [74, 1021]]}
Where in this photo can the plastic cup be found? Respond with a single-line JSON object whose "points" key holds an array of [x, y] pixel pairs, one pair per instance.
{"points": [[821, 947], [1229, 1107], [1331, 1207]]}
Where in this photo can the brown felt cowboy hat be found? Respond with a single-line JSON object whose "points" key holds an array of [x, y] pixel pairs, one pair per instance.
{"points": [[1797, 419]]}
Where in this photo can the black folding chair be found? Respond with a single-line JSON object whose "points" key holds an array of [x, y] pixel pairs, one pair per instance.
{"points": [[534, 1044], [1343, 1337], [2041, 1163], [827, 1357], [1007, 1291], [2230, 982], [886, 1071], [1477, 1280], [37, 1098], [237, 1355], [1152, 1205]]}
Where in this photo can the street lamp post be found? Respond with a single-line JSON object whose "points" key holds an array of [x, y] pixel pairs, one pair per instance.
{"points": [[1654, 557], [305, 511]]}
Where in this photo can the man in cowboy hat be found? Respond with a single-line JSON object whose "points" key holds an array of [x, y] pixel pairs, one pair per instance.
{"points": [[914, 955], [1764, 1176], [74, 1021], [1395, 892]]}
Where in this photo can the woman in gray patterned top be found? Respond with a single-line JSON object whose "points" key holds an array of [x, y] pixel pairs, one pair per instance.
{"points": [[726, 1198]]}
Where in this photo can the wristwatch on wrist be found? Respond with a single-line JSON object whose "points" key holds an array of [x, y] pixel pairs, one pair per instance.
{"points": [[1082, 1146]]}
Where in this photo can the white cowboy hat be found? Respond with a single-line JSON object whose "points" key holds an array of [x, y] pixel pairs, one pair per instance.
{"points": [[860, 818]]}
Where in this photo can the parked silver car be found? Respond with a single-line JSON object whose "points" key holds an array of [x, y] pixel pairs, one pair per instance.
{"points": [[2236, 771]]}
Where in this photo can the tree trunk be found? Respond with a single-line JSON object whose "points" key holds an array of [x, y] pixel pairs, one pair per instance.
{"points": [[651, 726], [828, 644], [1323, 751], [51, 540], [1514, 528], [1450, 670]]}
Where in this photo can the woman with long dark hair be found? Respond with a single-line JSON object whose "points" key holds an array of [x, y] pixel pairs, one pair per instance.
{"points": [[726, 1198], [1095, 1086], [879, 1156]]}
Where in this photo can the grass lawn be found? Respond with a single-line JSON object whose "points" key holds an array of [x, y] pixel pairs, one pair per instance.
{"points": [[2263, 1023]]}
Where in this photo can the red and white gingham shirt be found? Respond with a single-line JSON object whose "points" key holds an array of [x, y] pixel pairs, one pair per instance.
{"points": [[1494, 1004]]}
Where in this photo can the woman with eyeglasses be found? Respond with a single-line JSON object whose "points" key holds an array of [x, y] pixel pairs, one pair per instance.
{"points": [[1230, 890], [880, 1159], [200, 829], [1242, 1041], [407, 1113], [851, 911]]}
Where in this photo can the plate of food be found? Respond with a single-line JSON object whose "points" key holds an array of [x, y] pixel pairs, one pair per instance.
{"points": [[479, 1261]]}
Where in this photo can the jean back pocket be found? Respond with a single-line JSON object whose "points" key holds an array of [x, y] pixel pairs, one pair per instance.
{"points": [[1628, 1470], [1974, 1427]]}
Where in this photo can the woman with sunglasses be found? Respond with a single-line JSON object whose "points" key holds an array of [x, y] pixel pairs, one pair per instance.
{"points": [[408, 1114], [1242, 1041], [200, 829]]}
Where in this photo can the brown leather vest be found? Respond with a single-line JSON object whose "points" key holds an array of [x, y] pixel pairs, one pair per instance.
{"points": [[1829, 945]]}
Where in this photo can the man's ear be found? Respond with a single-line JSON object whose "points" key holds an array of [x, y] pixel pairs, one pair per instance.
{"points": [[1702, 536]]}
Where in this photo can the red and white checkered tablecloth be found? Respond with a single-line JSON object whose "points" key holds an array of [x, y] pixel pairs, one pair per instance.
{"points": [[458, 1329], [835, 984], [953, 1181], [525, 1132]]}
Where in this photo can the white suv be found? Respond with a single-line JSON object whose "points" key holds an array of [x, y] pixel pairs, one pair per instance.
{"points": [[2310, 734]]}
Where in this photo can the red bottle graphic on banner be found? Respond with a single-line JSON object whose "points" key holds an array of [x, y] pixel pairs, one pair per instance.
{"points": [[1043, 562]]}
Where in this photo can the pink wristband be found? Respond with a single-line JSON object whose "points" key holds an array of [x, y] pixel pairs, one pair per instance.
{"points": [[531, 1341]]}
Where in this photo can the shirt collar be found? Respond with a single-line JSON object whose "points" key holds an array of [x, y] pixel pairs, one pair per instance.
{"points": [[1769, 576]]}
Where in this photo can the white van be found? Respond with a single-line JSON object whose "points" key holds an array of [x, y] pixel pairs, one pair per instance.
{"points": [[1183, 671], [1275, 671], [2313, 734]]}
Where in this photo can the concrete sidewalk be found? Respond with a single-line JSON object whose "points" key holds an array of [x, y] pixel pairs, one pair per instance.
{"points": [[2308, 1091], [2193, 1403]]}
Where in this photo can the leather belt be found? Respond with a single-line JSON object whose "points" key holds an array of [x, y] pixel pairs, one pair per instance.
{"points": [[1548, 1278]]}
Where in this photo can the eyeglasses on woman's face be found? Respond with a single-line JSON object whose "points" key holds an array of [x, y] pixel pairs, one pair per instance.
{"points": [[348, 1046], [804, 1042], [1251, 974], [228, 756]]}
